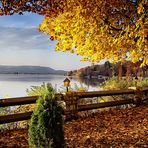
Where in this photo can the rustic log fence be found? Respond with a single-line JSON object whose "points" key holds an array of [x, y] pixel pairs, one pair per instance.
{"points": [[72, 102], [15, 102]]}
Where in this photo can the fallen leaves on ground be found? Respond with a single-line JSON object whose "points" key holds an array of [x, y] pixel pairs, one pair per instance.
{"points": [[17, 138], [114, 128]]}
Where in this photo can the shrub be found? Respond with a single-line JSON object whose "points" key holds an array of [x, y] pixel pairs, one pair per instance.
{"points": [[45, 88], [41, 90], [46, 127], [114, 83], [75, 88]]}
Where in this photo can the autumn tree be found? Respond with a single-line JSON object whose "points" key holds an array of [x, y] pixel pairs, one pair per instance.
{"points": [[95, 29], [114, 30], [10, 7]]}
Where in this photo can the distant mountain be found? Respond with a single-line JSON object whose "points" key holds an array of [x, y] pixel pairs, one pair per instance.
{"points": [[29, 70]]}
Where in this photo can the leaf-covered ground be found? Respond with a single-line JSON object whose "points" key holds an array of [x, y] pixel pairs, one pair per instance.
{"points": [[14, 139], [115, 128]]}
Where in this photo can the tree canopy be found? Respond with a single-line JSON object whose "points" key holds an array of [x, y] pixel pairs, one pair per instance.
{"points": [[95, 29]]}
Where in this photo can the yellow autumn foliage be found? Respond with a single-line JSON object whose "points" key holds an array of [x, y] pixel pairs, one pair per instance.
{"points": [[94, 29], [86, 30]]}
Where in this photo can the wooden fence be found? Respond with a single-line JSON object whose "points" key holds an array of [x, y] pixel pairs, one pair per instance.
{"points": [[15, 102], [72, 102]]}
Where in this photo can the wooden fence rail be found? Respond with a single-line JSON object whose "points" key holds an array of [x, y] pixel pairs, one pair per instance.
{"points": [[109, 93], [18, 101], [15, 117], [105, 104], [104, 93], [74, 97]]}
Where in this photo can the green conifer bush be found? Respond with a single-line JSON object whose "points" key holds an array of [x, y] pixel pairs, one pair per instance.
{"points": [[46, 127]]}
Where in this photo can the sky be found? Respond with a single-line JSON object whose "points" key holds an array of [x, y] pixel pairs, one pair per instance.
{"points": [[22, 44]]}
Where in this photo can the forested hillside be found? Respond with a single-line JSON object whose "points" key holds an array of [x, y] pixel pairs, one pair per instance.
{"points": [[107, 69]]}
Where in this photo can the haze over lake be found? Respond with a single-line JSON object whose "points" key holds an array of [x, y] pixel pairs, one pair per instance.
{"points": [[13, 85]]}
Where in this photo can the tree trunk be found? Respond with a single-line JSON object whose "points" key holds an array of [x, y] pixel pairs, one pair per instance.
{"points": [[120, 71], [128, 71]]}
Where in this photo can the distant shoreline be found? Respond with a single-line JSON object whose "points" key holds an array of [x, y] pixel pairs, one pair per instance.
{"points": [[17, 70], [32, 74]]}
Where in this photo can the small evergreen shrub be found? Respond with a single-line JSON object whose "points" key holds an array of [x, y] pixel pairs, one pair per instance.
{"points": [[46, 127]]}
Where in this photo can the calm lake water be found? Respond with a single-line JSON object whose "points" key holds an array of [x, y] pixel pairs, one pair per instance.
{"points": [[16, 85]]}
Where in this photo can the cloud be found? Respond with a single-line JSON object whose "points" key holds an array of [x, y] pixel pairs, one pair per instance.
{"points": [[21, 21], [22, 44], [13, 38]]}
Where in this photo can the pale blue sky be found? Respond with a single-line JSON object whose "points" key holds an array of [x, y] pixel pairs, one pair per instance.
{"points": [[22, 44]]}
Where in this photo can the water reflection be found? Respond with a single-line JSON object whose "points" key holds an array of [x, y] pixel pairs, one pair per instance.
{"points": [[90, 82], [16, 85]]}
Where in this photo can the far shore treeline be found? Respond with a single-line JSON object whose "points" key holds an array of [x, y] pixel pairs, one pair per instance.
{"points": [[108, 69]]}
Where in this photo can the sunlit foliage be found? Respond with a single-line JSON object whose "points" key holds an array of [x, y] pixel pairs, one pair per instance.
{"points": [[95, 29], [9, 7], [101, 29]]}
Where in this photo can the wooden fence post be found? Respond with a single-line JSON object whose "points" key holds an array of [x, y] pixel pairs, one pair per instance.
{"points": [[71, 100], [138, 96]]}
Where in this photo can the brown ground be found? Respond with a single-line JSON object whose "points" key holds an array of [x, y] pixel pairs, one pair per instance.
{"points": [[126, 128]]}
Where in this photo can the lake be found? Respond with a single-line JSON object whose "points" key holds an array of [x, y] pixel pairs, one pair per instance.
{"points": [[12, 85]]}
